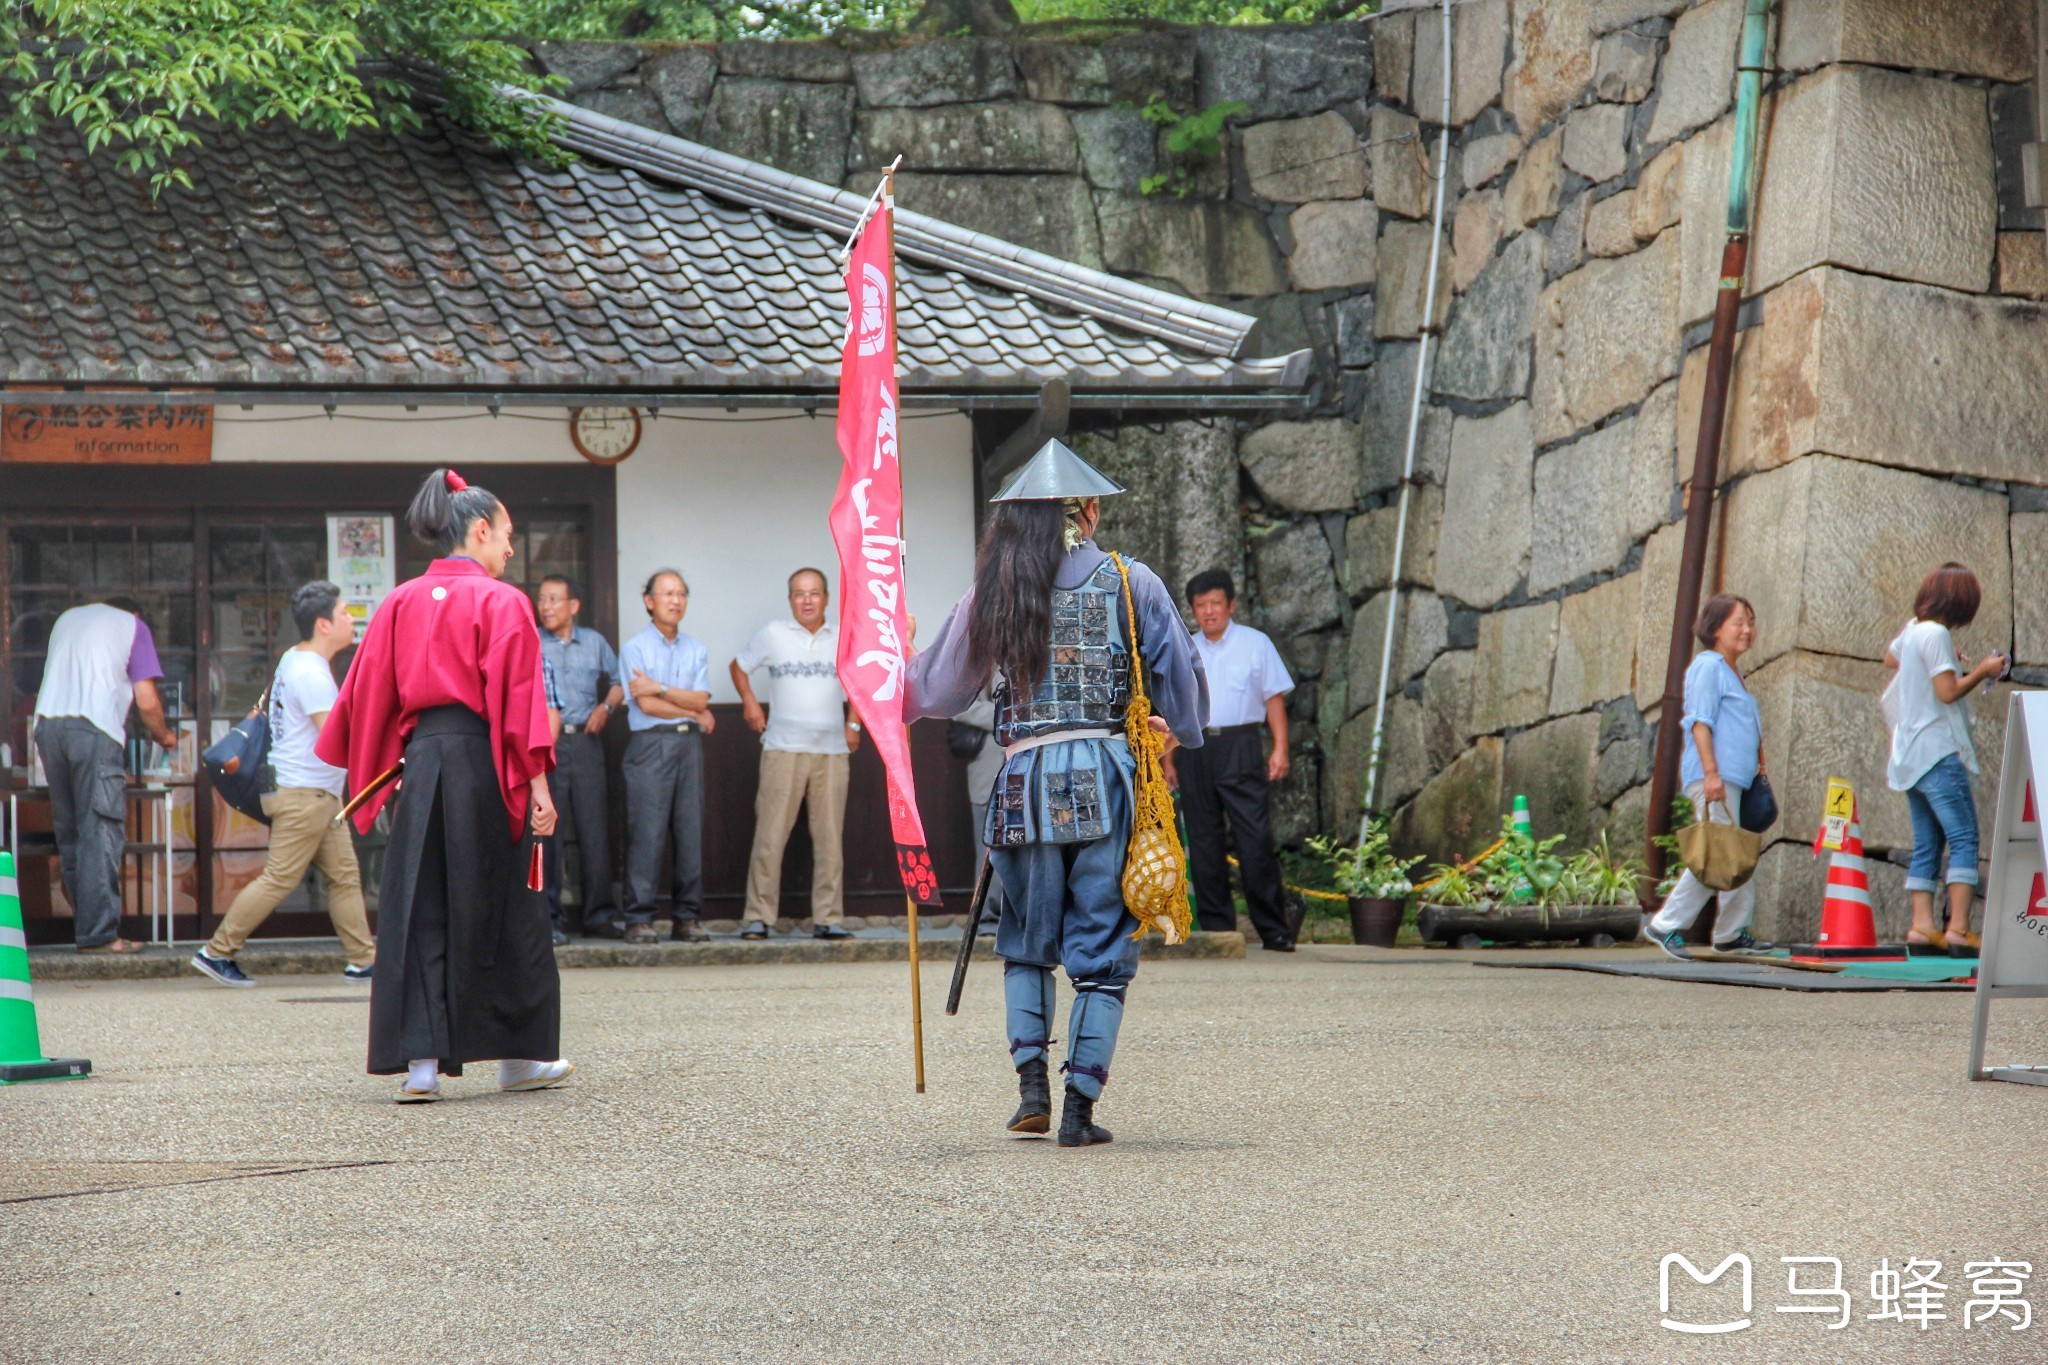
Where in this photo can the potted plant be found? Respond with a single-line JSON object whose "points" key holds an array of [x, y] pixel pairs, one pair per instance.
{"points": [[1373, 880], [1521, 891]]}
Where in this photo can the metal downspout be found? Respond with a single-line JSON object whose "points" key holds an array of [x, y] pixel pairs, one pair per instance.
{"points": [[1436, 238], [1713, 412]]}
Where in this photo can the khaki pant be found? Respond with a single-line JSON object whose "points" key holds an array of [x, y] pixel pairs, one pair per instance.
{"points": [[301, 832], [788, 781]]}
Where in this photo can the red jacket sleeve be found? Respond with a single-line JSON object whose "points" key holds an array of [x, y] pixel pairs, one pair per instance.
{"points": [[361, 733], [515, 703]]}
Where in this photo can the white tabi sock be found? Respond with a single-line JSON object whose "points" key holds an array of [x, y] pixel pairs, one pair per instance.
{"points": [[518, 1073], [423, 1074]]}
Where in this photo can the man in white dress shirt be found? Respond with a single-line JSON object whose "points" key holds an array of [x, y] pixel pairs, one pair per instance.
{"points": [[1227, 777], [806, 742]]}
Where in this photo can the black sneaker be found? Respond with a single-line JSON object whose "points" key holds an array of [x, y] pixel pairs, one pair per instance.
{"points": [[1744, 943], [831, 931], [755, 929], [1673, 945], [222, 969], [604, 928], [356, 973]]}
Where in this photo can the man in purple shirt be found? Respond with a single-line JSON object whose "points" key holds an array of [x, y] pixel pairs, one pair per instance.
{"points": [[101, 660]]}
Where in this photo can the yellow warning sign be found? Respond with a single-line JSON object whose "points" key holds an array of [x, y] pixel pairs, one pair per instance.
{"points": [[1837, 813]]}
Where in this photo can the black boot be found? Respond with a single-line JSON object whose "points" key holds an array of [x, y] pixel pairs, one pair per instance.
{"points": [[1077, 1122], [1034, 1114]]}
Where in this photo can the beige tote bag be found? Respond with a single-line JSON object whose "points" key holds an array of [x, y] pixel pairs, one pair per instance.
{"points": [[1722, 857]]}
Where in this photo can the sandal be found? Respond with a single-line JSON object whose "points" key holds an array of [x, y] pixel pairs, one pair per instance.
{"points": [[1932, 944], [118, 945], [1963, 943], [409, 1096]]}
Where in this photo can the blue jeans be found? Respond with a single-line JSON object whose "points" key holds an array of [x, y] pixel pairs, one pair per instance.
{"points": [[1944, 812]]}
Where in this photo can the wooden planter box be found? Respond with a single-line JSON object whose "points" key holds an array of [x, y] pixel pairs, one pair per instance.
{"points": [[1594, 926]]}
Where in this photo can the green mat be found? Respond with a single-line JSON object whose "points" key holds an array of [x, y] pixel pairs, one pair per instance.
{"points": [[1916, 969]]}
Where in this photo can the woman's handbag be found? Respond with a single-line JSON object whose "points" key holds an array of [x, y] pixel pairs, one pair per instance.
{"points": [[1155, 869], [1721, 857], [1759, 806]]}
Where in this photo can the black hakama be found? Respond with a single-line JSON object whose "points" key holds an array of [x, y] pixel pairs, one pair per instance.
{"points": [[465, 953]]}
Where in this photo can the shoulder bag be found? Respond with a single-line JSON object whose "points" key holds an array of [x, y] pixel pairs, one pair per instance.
{"points": [[1722, 857], [1155, 882], [239, 761]]}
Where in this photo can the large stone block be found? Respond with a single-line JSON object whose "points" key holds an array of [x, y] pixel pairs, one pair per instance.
{"points": [[1970, 373], [1702, 209], [1511, 671], [1846, 184], [1610, 226], [1284, 69], [1699, 72], [790, 61], [1479, 41], [681, 80], [1143, 64], [2023, 264], [1334, 244], [1447, 705], [1605, 336], [1653, 477], [1369, 543], [1297, 582], [1421, 632], [1049, 213], [1389, 393], [1486, 349], [1118, 148], [1303, 466], [1294, 161], [1552, 765], [1350, 328], [1553, 59], [1661, 555], [1609, 15], [1404, 280], [1987, 38], [1490, 148], [1596, 645], [1064, 73], [1401, 181], [1458, 812], [1393, 56], [629, 104], [1006, 137], [587, 66], [797, 126], [1596, 141], [938, 71], [1654, 205], [1207, 248], [1404, 761], [1582, 508], [1834, 550], [1182, 515], [1475, 231], [2030, 584], [1482, 552], [1625, 67], [1537, 186]]}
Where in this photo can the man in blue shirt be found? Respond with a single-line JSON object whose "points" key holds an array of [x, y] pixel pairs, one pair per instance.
{"points": [[668, 685], [587, 672]]}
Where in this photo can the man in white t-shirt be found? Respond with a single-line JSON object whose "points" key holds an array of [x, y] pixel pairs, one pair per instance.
{"points": [[806, 739], [308, 797], [1228, 776]]}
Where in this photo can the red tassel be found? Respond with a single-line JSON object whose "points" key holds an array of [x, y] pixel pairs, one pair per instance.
{"points": [[534, 880]]}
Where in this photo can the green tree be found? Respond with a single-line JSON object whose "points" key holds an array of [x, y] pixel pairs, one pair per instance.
{"points": [[144, 79]]}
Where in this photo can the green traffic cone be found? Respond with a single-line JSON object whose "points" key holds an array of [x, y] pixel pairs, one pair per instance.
{"points": [[1521, 816], [21, 1044]]}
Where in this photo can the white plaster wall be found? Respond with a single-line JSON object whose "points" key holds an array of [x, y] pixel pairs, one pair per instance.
{"points": [[736, 502]]}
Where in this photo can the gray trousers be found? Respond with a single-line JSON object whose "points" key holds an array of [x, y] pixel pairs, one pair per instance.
{"points": [[90, 812], [578, 784], [664, 805]]}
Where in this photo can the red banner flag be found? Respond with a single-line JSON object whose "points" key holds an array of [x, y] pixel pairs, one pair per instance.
{"points": [[867, 528]]}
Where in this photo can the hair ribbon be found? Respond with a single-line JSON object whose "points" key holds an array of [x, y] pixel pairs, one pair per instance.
{"points": [[456, 483]]}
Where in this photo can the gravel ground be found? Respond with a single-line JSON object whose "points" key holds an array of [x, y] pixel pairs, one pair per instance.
{"points": [[1340, 1155]]}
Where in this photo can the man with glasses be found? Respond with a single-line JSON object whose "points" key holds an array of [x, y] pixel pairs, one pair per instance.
{"points": [[668, 683], [587, 672]]}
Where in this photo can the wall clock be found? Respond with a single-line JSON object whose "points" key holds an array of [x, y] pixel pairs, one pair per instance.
{"points": [[604, 435]]}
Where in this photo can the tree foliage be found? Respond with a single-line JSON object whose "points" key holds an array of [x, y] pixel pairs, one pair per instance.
{"points": [[142, 79]]}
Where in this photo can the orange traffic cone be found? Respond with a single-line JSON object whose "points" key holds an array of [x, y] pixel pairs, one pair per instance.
{"points": [[1848, 929]]}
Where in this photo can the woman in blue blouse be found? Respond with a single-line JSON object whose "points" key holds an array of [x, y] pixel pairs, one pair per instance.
{"points": [[1723, 757]]}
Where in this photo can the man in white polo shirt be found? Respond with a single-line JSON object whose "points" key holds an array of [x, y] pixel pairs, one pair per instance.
{"points": [[102, 658], [1227, 777], [806, 740], [308, 797]]}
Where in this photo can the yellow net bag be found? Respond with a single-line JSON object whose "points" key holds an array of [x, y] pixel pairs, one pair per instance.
{"points": [[1155, 868]]}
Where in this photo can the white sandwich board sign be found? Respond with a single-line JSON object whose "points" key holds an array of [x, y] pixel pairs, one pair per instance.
{"points": [[2013, 964]]}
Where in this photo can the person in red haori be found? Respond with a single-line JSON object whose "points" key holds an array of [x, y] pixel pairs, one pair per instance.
{"points": [[449, 678]]}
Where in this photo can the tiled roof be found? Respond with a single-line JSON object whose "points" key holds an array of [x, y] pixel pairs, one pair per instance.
{"points": [[430, 261]]}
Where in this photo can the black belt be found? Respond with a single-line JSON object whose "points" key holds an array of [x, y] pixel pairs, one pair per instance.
{"points": [[670, 727], [1231, 729]]}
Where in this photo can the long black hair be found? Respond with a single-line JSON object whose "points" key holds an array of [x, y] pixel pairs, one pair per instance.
{"points": [[441, 514], [1011, 629]]}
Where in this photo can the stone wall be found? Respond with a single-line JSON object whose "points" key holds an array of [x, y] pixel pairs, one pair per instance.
{"points": [[1886, 414]]}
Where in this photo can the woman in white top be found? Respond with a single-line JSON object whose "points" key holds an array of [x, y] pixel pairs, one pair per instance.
{"points": [[1932, 757]]}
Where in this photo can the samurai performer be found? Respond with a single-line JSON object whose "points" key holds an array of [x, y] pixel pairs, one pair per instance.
{"points": [[1046, 621], [449, 677]]}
